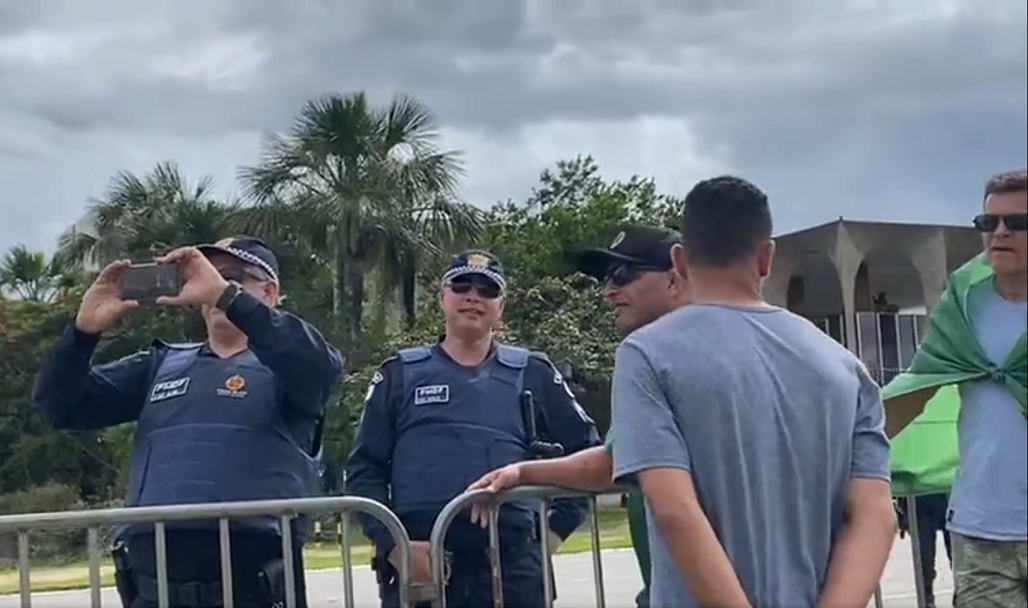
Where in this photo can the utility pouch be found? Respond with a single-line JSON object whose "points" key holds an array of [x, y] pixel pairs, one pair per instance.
{"points": [[124, 579]]}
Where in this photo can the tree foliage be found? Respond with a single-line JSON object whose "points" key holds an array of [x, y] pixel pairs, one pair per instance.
{"points": [[361, 205]]}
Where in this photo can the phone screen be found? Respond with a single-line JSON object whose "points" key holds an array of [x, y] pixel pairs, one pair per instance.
{"points": [[147, 282]]}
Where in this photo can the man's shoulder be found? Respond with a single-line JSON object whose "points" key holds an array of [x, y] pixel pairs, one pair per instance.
{"points": [[668, 333]]}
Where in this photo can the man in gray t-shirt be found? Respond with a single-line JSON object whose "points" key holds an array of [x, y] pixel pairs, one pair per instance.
{"points": [[758, 441]]}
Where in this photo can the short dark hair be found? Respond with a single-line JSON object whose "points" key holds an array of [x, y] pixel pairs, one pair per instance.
{"points": [[726, 220], [1007, 182]]}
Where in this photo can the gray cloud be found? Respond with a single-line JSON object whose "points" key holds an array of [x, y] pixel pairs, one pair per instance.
{"points": [[865, 108]]}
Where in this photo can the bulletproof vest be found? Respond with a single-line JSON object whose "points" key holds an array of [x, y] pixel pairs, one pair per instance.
{"points": [[211, 431], [455, 425]]}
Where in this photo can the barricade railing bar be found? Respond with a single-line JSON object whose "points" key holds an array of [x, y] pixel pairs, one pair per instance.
{"points": [[493, 501], [545, 495], [286, 510]]}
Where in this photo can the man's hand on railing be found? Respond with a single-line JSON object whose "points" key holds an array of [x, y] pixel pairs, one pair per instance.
{"points": [[493, 482], [420, 561]]}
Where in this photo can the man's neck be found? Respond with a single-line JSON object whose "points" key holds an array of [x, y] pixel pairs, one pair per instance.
{"points": [[467, 351], [227, 343], [1012, 287], [710, 287]]}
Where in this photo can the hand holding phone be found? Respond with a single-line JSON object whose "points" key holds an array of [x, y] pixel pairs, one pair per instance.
{"points": [[147, 282]]}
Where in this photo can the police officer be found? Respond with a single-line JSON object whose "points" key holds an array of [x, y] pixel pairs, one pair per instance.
{"points": [[235, 418], [439, 416]]}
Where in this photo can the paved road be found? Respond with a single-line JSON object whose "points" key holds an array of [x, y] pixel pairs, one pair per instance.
{"points": [[574, 585]]}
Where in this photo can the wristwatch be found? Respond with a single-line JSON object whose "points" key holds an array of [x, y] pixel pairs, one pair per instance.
{"points": [[228, 296]]}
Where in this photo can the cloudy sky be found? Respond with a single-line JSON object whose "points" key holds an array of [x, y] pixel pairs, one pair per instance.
{"points": [[869, 109]]}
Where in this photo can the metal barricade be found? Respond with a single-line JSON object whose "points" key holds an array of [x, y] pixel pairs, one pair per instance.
{"points": [[543, 494], [494, 501], [286, 510]]}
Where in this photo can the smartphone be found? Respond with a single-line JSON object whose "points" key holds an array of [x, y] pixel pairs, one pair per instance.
{"points": [[147, 282]]}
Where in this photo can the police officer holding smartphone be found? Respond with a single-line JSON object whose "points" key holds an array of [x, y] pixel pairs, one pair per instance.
{"points": [[439, 416], [235, 418]]}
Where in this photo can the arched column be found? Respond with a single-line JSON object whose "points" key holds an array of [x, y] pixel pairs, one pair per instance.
{"points": [[847, 259]]}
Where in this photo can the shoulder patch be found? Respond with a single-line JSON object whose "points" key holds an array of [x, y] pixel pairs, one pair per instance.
{"points": [[415, 354], [375, 381]]}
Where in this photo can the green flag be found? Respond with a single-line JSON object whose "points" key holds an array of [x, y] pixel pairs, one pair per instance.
{"points": [[924, 456], [948, 356]]}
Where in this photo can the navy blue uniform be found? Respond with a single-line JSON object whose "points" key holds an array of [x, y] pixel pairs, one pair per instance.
{"points": [[208, 430], [431, 427]]}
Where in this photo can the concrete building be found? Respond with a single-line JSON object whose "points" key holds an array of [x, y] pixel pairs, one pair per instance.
{"points": [[869, 284]]}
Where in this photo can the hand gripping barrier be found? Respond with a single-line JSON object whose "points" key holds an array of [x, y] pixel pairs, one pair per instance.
{"points": [[286, 510], [545, 495]]}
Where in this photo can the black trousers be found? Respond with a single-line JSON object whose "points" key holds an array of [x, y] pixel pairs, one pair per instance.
{"points": [[931, 520], [470, 584], [194, 569]]}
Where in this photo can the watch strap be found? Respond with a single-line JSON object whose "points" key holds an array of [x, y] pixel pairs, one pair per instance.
{"points": [[228, 296]]}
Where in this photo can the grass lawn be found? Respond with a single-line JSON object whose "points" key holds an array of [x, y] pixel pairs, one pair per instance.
{"points": [[322, 556]]}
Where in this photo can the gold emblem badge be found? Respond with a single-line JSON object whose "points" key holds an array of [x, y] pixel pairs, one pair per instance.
{"points": [[477, 259], [235, 383]]}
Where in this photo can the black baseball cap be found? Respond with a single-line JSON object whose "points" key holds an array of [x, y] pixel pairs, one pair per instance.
{"points": [[248, 250], [646, 246], [476, 262]]}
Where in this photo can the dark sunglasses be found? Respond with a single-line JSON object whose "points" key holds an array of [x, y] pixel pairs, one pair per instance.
{"points": [[239, 275], [989, 222], [620, 275], [484, 288]]}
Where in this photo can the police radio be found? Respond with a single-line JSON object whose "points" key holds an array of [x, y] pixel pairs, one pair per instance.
{"points": [[540, 449]]}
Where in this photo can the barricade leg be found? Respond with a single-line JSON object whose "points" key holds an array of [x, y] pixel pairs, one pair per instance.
{"points": [[228, 598], [495, 567], [879, 601], [544, 551], [24, 576], [161, 561], [915, 549], [94, 556], [596, 548], [345, 540]]}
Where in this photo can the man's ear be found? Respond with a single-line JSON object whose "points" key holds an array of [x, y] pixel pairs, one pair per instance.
{"points": [[679, 261], [765, 257], [273, 293]]}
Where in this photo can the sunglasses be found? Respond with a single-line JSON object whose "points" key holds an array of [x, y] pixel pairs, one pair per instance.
{"points": [[239, 275], [989, 222], [485, 289], [621, 275]]}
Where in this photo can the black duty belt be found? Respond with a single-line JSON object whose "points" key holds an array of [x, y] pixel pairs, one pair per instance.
{"points": [[181, 595]]}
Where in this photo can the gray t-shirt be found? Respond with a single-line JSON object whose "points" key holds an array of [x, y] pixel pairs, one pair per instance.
{"points": [[772, 418]]}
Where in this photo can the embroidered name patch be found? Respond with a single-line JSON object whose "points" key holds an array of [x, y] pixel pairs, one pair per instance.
{"points": [[436, 393], [169, 389]]}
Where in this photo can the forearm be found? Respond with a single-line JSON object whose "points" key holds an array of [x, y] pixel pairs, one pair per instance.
{"points": [[70, 396], [298, 355], [587, 471], [858, 558], [701, 559]]}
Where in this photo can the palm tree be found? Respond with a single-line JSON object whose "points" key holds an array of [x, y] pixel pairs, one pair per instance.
{"points": [[139, 217], [29, 275], [368, 190]]}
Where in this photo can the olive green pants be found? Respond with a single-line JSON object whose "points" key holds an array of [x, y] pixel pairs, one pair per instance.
{"points": [[989, 574]]}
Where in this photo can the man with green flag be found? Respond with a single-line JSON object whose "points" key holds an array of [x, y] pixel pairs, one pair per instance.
{"points": [[976, 343], [639, 281]]}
